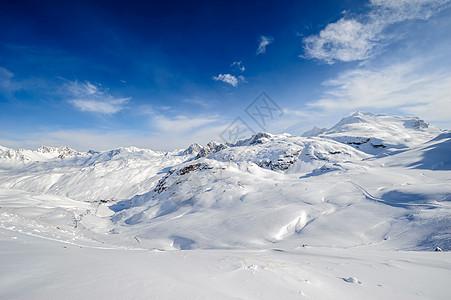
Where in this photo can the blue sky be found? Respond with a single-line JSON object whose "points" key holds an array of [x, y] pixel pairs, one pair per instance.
{"points": [[164, 74]]}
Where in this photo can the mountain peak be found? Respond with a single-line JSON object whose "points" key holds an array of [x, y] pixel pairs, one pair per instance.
{"points": [[374, 134], [193, 149], [42, 153], [315, 131]]}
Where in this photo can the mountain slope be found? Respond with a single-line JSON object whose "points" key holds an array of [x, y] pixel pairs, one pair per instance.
{"points": [[117, 174], [263, 190], [375, 134], [43, 153], [291, 191]]}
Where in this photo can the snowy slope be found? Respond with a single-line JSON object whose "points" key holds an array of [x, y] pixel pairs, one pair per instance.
{"points": [[432, 155], [36, 268]]}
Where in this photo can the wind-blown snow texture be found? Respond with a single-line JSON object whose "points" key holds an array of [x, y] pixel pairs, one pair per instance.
{"points": [[369, 183]]}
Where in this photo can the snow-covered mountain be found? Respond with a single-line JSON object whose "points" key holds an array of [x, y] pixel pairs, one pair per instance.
{"points": [[369, 183], [121, 173], [284, 189], [117, 174], [43, 153], [374, 134]]}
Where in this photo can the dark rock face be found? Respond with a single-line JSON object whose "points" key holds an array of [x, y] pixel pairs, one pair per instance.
{"points": [[282, 163], [361, 142], [210, 148], [416, 124], [162, 183], [259, 138], [193, 149]]}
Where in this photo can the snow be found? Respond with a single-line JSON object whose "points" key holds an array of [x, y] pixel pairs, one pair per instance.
{"points": [[351, 280], [43, 153], [315, 131], [117, 174], [374, 134], [36, 268], [318, 216]]}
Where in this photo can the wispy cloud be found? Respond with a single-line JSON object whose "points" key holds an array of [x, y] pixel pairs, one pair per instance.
{"points": [[264, 41], [102, 107], [10, 85], [93, 98], [7, 85], [178, 128], [5, 79], [360, 38], [296, 113], [238, 65], [200, 102], [407, 87], [182, 123], [230, 79]]}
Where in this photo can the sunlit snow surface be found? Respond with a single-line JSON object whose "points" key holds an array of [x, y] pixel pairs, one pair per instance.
{"points": [[354, 212]]}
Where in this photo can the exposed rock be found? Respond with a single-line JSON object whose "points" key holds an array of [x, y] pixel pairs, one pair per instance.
{"points": [[193, 149], [210, 148]]}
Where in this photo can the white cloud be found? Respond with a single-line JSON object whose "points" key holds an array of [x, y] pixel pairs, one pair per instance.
{"points": [[230, 79], [345, 40], [181, 123], [263, 43], [102, 107], [93, 98], [200, 102], [5, 78], [392, 11], [242, 79], [7, 85], [296, 113], [238, 65], [178, 130], [407, 87], [354, 39]]}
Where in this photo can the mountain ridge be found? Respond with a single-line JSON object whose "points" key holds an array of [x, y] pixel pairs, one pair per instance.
{"points": [[416, 131]]}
